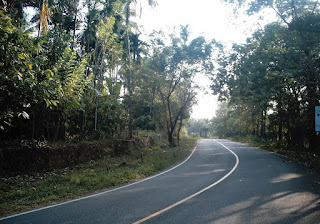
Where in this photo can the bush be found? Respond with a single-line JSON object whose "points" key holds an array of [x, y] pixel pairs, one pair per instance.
{"points": [[25, 158]]}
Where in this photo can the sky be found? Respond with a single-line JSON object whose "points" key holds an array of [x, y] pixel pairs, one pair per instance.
{"points": [[210, 18]]}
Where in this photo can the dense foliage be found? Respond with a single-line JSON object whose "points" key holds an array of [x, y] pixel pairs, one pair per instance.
{"points": [[79, 70], [270, 85], [200, 128]]}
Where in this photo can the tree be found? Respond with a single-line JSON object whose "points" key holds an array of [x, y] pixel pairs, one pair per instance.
{"points": [[174, 66], [129, 62], [267, 85], [300, 18], [199, 127]]}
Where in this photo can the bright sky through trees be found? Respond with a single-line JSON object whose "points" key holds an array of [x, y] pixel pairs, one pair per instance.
{"points": [[211, 18]]}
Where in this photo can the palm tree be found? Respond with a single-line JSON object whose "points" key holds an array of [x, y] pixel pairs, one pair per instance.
{"points": [[152, 3]]}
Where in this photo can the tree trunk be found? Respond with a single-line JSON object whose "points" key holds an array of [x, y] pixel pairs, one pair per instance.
{"points": [[263, 124], [152, 102], [84, 124], [74, 31], [179, 129], [129, 72], [33, 124], [280, 134], [171, 139], [96, 116]]}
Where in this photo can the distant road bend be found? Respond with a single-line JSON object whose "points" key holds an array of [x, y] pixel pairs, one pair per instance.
{"points": [[221, 182]]}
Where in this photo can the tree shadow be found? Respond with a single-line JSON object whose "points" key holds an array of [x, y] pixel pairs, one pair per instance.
{"points": [[260, 191]]}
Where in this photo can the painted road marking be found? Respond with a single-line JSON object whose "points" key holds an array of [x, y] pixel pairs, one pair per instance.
{"points": [[195, 194], [101, 193]]}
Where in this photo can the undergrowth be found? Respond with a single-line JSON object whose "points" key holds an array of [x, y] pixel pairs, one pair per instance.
{"points": [[24, 192]]}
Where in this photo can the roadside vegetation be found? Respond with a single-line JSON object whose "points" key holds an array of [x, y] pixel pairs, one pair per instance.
{"points": [[78, 70], [77, 83], [37, 189], [270, 85]]}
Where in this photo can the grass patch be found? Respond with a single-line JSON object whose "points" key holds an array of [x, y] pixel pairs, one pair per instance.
{"points": [[26, 192]]}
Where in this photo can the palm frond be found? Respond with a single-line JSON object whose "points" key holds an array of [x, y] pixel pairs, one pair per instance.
{"points": [[44, 17]]}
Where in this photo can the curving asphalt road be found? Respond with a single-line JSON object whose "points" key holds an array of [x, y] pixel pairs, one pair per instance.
{"points": [[222, 182]]}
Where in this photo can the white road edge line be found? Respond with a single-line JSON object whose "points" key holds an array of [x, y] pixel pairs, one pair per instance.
{"points": [[195, 194], [101, 193]]}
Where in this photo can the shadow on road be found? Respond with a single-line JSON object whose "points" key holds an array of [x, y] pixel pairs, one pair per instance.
{"points": [[266, 188]]}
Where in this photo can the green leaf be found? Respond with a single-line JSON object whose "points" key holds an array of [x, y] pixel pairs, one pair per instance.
{"points": [[48, 103], [55, 102], [21, 56], [24, 114]]}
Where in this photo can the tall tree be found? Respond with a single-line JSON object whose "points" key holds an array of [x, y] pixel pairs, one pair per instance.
{"points": [[129, 61], [174, 66], [267, 82], [300, 17]]}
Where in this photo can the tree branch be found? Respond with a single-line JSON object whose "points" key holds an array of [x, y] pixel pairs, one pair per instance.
{"points": [[314, 8], [280, 15]]}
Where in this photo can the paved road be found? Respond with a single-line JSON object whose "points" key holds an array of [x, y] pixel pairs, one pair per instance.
{"points": [[247, 186]]}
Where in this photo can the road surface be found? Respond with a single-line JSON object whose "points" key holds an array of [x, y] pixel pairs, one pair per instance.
{"points": [[221, 182]]}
